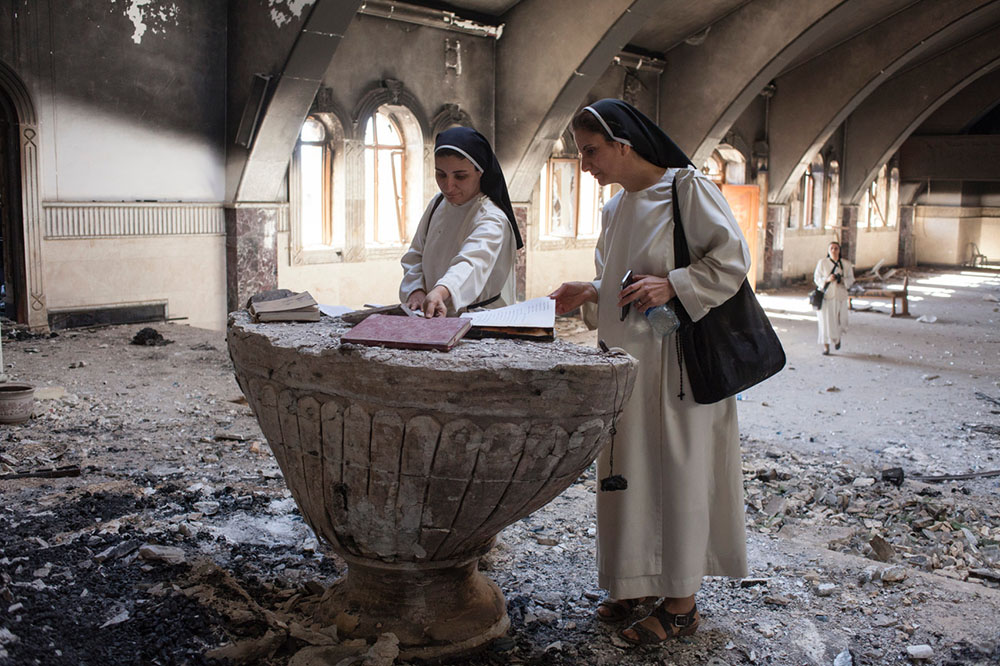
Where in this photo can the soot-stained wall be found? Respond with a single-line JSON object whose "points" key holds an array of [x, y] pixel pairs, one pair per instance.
{"points": [[418, 61], [131, 95]]}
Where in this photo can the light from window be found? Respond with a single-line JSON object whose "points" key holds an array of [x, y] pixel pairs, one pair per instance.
{"points": [[311, 161], [807, 199], [564, 195], [315, 186], [385, 223], [572, 200]]}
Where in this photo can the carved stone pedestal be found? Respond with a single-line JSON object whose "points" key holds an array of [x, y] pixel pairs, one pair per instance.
{"points": [[408, 463]]}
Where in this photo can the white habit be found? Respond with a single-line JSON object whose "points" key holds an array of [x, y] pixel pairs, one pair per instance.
{"points": [[469, 249], [681, 517], [832, 317]]}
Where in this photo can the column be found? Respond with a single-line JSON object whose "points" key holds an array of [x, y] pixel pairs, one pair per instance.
{"points": [[774, 244], [521, 260], [907, 254], [251, 251], [849, 232]]}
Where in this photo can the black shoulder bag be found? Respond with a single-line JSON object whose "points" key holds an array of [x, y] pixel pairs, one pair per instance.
{"points": [[732, 347], [816, 295]]}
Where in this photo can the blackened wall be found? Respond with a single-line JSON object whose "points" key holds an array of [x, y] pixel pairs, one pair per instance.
{"points": [[131, 97]]}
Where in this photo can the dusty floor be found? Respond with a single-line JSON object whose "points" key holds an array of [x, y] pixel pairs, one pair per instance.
{"points": [[178, 535]]}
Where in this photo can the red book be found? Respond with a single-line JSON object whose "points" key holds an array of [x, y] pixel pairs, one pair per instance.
{"points": [[441, 333]]}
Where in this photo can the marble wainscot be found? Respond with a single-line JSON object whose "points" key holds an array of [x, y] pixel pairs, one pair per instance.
{"points": [[409, 463]]}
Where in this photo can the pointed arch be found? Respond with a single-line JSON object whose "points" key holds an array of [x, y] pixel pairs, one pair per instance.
{"points": [[35, 312]]}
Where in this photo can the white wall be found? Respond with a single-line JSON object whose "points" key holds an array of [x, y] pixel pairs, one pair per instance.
{"points": [[875, 245], [803, 249], [349, 284], [189, 272], [547, 269], [96, 156]]}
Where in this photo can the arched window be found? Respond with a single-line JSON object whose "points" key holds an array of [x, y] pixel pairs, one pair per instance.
{"points": [[807, 188], [832, 219], [317, 219], [715, 169], [572, 199], [385, 181], [876, 201], [314, 184]]}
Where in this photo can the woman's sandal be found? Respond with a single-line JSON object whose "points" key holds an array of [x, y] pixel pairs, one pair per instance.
{"points": [[674, 625], [618, 610]]}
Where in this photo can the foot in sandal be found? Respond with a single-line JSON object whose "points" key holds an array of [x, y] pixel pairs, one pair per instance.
{"points": [[661, 625], [619, 610]]}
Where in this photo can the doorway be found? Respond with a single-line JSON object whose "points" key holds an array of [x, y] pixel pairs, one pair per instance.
{"points": [[13, 291]]}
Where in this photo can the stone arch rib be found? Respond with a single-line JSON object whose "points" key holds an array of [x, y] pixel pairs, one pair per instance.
{"points": [[390, 92], [886, 118], [294, 93]]}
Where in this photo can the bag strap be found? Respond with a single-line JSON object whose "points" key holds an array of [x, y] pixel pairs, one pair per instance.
{"points": [[682, 257], [480, 304]]}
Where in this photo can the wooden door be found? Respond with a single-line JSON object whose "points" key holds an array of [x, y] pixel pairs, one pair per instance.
{"points": [[745, 202]]}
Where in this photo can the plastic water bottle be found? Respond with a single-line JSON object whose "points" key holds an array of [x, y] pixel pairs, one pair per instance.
{"points": [[663, 319]]}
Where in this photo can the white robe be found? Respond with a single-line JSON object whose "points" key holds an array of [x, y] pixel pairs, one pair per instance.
{"points": [[681, 517], [469, 249], [832, 317]]}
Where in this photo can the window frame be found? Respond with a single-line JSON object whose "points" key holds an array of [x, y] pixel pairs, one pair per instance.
{"points": [[329, 251], [399, 191]]}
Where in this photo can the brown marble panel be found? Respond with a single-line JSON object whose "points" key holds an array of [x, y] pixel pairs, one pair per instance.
{"points": [[251, 252]]}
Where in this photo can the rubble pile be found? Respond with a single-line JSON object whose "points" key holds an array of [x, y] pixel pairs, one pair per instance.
{"points": [[943, 528]]}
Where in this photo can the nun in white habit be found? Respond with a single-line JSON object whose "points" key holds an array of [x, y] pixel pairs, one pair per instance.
{"points": [[462, 255], [834, 275], [681, 516]]}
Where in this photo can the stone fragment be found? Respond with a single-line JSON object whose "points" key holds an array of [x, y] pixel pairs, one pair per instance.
{"points": [[883, 549], [825, 589], [844, 659], [384, 652], [922, 651], [254, 651], [296, 630], [346, 623], [207, 507], [157, 553], [893, 575]]}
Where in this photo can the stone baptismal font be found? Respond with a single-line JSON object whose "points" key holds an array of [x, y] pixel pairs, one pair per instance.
{"points": [[409, 463]]}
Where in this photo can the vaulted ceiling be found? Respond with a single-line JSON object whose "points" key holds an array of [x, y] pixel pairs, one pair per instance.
{"points": [[865, 74]]}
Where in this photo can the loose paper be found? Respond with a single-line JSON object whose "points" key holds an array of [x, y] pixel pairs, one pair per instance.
{"points": [[534, 313]]}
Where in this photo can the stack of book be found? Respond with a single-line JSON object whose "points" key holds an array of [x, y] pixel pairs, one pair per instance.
{"points": [[296, 307]]}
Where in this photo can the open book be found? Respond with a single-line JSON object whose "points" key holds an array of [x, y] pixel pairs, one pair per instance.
{"points": [[295, 307], [534, 319]]}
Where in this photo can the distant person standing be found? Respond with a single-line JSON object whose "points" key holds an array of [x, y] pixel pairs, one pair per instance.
{"points": [[834, 275]]}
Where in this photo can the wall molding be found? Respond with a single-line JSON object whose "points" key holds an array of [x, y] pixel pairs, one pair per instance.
{"points": [[68, 219]]}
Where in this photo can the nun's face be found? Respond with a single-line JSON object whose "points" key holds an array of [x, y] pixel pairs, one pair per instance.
{"points": [[457, 178], [834, 251], [599, 157]]}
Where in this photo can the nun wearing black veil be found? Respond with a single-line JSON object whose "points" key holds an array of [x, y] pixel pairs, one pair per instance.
{"points": [[681, 517], [462, 255]]}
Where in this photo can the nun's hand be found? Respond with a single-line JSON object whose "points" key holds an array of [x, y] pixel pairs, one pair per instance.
{"points": [[648, 291], [571, 295], [434, 305], [415, 301]]}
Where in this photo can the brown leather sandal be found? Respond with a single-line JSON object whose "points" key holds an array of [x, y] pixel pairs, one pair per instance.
{"points": [[674, 625], [619, 610]]}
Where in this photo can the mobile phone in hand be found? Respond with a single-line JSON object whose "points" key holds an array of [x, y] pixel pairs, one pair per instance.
{"points": [[626, 281]]}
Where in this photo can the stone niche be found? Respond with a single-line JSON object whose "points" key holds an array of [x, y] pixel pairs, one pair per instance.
{"points": [[408, 463]]}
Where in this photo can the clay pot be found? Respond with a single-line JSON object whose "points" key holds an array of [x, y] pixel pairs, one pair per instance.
{"points": [[16, 402], [408, 463]]}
